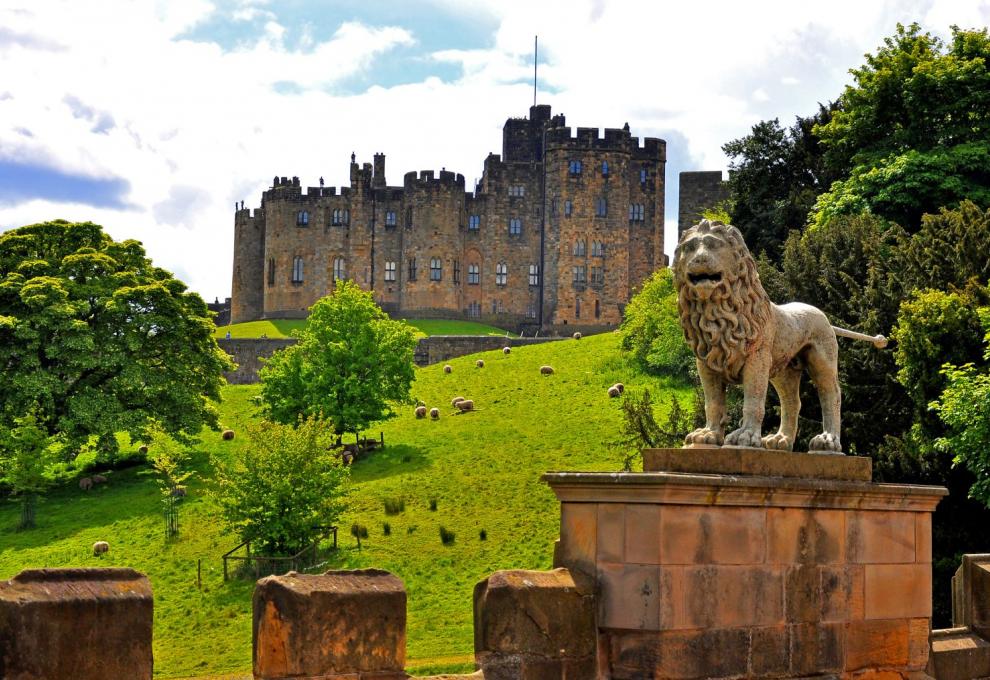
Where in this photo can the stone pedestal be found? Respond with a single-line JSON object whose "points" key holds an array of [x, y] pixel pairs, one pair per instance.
{"points": [[777, 565]]}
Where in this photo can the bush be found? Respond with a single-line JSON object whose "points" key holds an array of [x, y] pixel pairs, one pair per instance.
{"points": [[433, 504], [482, 535], [280, 490], [359, 531], [386, 529], [446, 535], [651, 328], [393, 506]]}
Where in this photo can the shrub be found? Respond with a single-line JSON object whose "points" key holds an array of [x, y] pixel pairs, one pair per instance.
{"points": [[359, 531], [393, 506], [433, 504], [280, 490], [386, 529], [651, 328], [482, 535], [446, 535]]}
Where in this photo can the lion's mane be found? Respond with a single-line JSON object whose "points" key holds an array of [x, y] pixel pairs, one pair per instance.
{"points": [[727, 327]]}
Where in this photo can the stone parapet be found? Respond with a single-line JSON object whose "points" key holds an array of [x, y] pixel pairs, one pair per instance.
{"points": [[756, 576], [963, 652], [84, 624]]}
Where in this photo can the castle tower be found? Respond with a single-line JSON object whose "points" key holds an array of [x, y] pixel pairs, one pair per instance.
{"points": [[247, 286]]}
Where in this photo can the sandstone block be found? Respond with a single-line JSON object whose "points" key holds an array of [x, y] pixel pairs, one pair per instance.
{"points": [[876, 644], [880, 537], [716, 535], [642, 539], [721, 597], [898, 591], [712, 653], [534, 624], [630, 597], [805, 535], [611, 531], [578, 537], [84, 624], [957, 654], [341, 624], [923, 537], [816, 648]]}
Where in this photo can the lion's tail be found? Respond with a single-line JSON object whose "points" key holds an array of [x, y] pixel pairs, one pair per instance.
{"points": [[879, 341]]}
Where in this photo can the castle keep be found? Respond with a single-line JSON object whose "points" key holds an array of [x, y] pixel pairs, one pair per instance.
{"points": [[560, 230]]}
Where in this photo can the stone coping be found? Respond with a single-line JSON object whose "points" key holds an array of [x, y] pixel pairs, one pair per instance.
{"points": [[671, 488], [734, 460]]}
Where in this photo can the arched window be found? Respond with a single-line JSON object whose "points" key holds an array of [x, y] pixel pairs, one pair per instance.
{"points": [[597, 249], [515, 226], [297, 270], [474, 222], [501, 274], [568, 208], [534, 274], [474, 274], [339, 270], [302, 218], [574, 167], [604, 168], [643, 175], [271, 272], [436, 269], [601, 207], [580, 248], [390, 270]]}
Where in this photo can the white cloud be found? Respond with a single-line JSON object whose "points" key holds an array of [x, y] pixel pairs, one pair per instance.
{"points": [[194, 128]]}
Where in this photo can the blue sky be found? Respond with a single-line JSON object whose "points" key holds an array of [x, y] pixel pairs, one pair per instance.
{"points": [[153, 117]]}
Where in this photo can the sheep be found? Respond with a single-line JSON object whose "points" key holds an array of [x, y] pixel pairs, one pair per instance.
{"points": [[453, 402], [100, 548], [620, 387], [546, 370], [99, 479], [506, 350], [179, 492], [143, 450], [227, 435], [448, 368], [480, 363], [466, 405], [577, 336], [86, 483], [435, 413], [613, 391], [420, 411]]}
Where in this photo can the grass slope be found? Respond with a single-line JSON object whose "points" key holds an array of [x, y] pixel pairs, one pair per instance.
{"points": [[283, 328], [482, 469]]}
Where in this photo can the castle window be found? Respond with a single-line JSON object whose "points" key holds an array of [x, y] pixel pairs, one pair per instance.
{"points": [[597, 249], [601, 207], [409, 217], [339, 273], [604, 168], [474, 309], [579, 274], [598, 309], [515, 226], [577, 308], [643, 175], [390, 271], [436, 269], [636, 212], [517, 190], [412, 269], [457, 271], [271, 272], [474, 222], [390, 218], [297, 270], [302, 218], [574, 167], [346, 217], [534, 274], [580, 248], [501, 274], [597, 275], [531, 310], [568, 208], [474, 274], [335, 217], [553, 207]]}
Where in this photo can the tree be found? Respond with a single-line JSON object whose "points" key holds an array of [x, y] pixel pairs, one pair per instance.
{"points": [[99, 340], [913, 128], [351, 363], [651, 328], [775, 175], [284, 487], [25, 458]]}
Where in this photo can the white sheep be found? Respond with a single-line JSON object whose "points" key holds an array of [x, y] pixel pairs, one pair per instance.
{"points": [[420, 411], [435, 413], [620, 387], [613, 391], [99, 479], [227, 435], [577, 336], [546, 370], [506, 350], [448, 368], [100, 548], [480, 363], [453, 402], [466, 405], [86, 483]]}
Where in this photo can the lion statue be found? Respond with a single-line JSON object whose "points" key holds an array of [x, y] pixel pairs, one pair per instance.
{"points": [[740, 337]]}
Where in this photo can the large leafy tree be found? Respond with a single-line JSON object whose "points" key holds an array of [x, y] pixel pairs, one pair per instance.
{"points": [[913, 127], [95, 340], [351, 364]]}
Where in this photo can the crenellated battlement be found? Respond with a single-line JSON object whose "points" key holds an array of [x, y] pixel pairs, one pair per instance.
{"points": [[429, 179], [584, 138]]}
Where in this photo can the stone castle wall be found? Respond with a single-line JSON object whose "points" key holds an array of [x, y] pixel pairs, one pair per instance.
{"points": [[385, 238], [699, 191]]}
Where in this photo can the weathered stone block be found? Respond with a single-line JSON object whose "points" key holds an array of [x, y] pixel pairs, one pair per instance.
{"points": [[721, 596], [534, 624], [578, 537], [711, 653], [642, 540], [816, 648], [898, 591], [730, 460], [630, 596], [880, 537], [958, 654], [719, 535], [84, 624], [805, 535], [611, 531], [876, 644], [341, 624]]}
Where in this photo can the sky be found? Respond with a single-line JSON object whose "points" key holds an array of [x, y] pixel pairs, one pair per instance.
{"points": [[155, 118]]}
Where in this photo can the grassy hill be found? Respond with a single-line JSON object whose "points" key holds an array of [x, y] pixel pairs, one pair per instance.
{"points": [[481, 468], [283, 328]]}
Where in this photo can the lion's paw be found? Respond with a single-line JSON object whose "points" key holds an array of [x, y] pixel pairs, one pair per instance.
{"points": [[778, 442], [704, 436], [826, 441], [744, 437]]}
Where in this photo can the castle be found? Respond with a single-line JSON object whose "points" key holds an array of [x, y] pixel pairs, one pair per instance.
{"points": [[560, 230]]}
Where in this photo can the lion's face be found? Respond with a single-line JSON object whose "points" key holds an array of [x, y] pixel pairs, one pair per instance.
{"points": [[704, 261]]}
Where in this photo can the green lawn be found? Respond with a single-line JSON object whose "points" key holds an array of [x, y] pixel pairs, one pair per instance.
{"points": [[283, 328], [482, 468]]}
